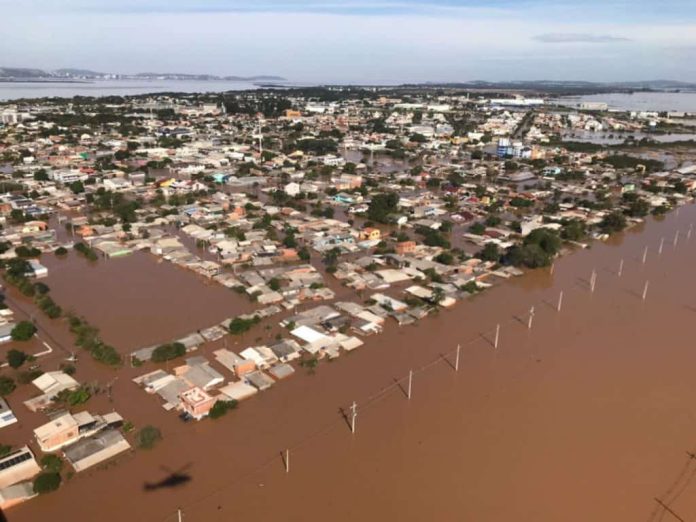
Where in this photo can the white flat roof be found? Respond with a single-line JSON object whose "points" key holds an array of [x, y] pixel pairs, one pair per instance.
{"points": [[308, 335]]}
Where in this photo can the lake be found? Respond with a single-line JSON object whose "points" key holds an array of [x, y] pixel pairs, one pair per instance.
{"points": [[17, 90], [640, 101]]}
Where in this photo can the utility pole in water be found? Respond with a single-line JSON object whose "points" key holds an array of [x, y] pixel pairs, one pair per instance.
{"points": [[353, 415], [456, 359], [593, 280], [560, 301], [531, 317]]}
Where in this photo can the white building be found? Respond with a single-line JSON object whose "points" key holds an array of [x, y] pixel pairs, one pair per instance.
{"points": [[292, 189], [68, 176], [7, 416]]}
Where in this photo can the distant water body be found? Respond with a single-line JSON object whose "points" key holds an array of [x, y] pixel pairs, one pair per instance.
{"points": [[640, 101], [17, 90]]}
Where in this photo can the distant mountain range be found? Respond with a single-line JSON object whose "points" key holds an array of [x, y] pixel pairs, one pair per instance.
{"points": [[25, 73]]}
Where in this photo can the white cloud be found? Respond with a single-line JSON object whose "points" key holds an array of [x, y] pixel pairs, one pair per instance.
{"points": [[325, 47]]}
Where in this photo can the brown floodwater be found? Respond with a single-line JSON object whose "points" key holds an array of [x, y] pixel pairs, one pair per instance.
{"points": [[587, 416], [140, 300]]}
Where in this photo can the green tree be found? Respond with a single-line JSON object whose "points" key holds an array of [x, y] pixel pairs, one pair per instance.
{"points": [[41, 175], [23, 331], [546, 239], [220, 408], [46, 482], [613, 222], [489, 252], [239, 325], [477, 228], [638, 208], [7, 385], [16, 358], [274, 284], [77, 187], [574, 230], [167, 352], [382, 205], [446, 258]]}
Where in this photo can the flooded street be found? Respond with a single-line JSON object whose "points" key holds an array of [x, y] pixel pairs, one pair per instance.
{"points": [[140, 300], [586, 416]]}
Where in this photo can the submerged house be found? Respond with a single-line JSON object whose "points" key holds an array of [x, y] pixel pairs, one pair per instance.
{"points": [[96, 449]]}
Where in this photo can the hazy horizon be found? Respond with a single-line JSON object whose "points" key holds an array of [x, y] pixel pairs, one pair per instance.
{"points": [[356, 41]]}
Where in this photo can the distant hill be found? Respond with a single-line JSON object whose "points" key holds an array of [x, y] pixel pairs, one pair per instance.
{"points": [[19, 72], [23, 73], [73, 73]]}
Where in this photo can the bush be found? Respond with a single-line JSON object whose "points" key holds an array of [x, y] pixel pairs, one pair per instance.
{"points": [[274, 284], [303, 254], [221, 407], [41, 288], [23, 331], [17, 267], [25, 251], [16, 358], [7, 385], [477, 228], [61, 251], [46, 482], [86, 251], [68, 368], [147, 437], [106, 354], [310, 363], [574, 230], [48, 306], [87, 337], [239, 325], [470, 287], [73, 397], [5, 450], [167, 352], [489, 252], [614, 222], [52, 463], [445, 258]]}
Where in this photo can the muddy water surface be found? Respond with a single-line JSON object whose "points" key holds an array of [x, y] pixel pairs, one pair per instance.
{"points": [[139, 300], [587, 416]]}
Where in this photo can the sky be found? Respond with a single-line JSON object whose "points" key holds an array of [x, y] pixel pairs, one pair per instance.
{"points": [[358, 41]]}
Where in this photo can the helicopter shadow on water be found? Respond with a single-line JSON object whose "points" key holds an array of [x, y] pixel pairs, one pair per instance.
{"points": [[172, 479]]}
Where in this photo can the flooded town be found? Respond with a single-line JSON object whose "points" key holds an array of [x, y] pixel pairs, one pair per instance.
{"points": [[265, 303]]}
